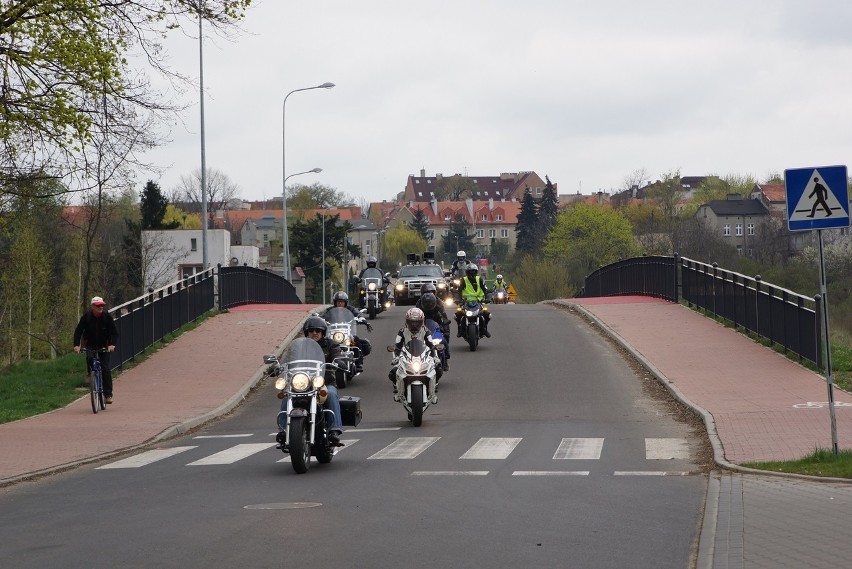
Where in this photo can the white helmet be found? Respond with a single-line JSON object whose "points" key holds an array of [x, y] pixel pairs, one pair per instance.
{"points": [[460, 256], [414, 318], [499, 277]]}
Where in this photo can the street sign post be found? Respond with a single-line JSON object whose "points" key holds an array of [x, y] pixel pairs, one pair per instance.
{"points": [[818, 198]]}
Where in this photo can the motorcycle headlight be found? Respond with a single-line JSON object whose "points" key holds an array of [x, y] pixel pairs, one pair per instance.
{"points": [[281, 383], [300, 382], [400, 286], [468, 313], [338, 337], [456, 282], [319, 381], [442, 285], [372, 286], [448, 301], [499, 295], [436, 341], [415, 364]]}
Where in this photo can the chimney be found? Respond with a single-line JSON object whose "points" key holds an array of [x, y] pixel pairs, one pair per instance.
{"points": [[422, 172], [600, 198], [490, 204], [434, 203]]}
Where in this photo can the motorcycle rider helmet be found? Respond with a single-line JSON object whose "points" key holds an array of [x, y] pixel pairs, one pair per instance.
{"points": [[371, 262], [429, 301], [315, 323], [471, 270], [499, 278], [460, 256], [414, 318], [340, 295], [428, 287]]}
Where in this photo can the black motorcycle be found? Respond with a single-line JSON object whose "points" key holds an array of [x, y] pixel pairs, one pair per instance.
{"points": [[372, 292]]}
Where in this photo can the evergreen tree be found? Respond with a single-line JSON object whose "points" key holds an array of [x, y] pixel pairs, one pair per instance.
{"points": [[548, 209], [459, 238], [306, 245], [528, 235], [420, 224], [153, 207]]}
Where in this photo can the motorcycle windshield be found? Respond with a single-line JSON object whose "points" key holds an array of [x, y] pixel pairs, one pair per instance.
{"points": [[416, 346], [304, 350], [372, 274], [339, 315]]}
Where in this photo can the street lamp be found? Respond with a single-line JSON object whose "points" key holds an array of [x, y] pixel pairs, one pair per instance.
{"points": [[323, 255], [284, 172], [284, 253]]}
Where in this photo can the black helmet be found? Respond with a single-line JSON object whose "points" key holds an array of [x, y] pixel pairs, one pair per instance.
{"points": [[429, 301], [315, 323], [471, 270], [340, 296], [427, 287], [371, 262]]}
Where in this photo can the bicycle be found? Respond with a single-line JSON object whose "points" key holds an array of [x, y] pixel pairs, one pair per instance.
{"points": [[96, 384]]}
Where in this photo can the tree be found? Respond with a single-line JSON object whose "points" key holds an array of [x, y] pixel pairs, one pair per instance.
{"points": [[458, 238], [154, 205], [317, 196], [399, 242], [538, 279], [420, 224], [65, 62], [176, 218], [306, 245], [635, 179], [548, 208], [528, 237], [220, 190], [666, 194], [586, 237], [454, 188]]}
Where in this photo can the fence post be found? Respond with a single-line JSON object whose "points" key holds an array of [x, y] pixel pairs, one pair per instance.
{"points": [[757, 305], [221, 285], [713, 281], [677, 295]]}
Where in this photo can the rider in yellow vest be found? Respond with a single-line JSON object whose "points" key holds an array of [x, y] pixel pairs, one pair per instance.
{"points": [[473, 287]]}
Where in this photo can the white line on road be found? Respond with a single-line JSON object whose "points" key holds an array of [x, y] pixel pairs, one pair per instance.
{"points": [[550, 473], [492, 448], [233, 454], [405, 448], [222, 436], [145, 458], [579, 449], [450, 473]]}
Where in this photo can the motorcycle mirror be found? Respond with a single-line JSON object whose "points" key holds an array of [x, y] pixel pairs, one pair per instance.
{"points": [[270, 359], [391, 348]]}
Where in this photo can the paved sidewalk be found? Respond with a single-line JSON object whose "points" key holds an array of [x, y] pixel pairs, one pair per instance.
{"points": [[758, 406], [201, 375]]}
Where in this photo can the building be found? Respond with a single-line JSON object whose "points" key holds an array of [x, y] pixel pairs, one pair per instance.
{"points": [[736, 219]]}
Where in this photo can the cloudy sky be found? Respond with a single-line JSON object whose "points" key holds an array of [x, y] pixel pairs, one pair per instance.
{"points": [[584, 92]]}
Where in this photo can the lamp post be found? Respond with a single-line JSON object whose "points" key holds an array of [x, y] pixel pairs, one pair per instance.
{"points": [[284, 172], [285, 258], [323, 255]]}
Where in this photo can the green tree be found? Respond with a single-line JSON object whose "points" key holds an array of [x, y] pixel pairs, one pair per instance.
{"points": [[398, 243], [458, 238], [420, 223], [154, 206], [548, 208], [528, 236], [65, 62], [666, 194], [538, 279], [306, 245], [586, 237]]}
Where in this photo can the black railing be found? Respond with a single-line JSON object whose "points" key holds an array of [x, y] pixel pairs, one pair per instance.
{"points": [[781, 316], [248, 285]]}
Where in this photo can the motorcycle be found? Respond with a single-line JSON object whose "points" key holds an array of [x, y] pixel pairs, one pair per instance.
{"points": [[303, 423], [372, 292], [501, 296], [439, 342], [473, 312], [416, 379], [342, 329]]}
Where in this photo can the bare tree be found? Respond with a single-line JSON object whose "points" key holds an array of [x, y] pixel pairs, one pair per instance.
{"points": [[635, 179], [220, 190], [160, 256]]}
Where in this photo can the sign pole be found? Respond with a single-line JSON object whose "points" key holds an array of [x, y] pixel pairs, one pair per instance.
{"points": [[828, 377]]}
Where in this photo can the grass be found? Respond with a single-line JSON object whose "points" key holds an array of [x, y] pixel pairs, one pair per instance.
{"points": [[30, 388], [822, 462]]}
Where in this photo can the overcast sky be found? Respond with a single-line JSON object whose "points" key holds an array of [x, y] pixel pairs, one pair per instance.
{"points": [[584, 92]]}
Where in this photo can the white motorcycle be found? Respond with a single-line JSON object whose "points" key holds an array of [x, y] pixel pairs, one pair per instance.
{"points": [[416, 379]]}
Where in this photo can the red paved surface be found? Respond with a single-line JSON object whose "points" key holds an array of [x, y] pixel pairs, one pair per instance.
{"points": [[758, 398], [196, 377]]}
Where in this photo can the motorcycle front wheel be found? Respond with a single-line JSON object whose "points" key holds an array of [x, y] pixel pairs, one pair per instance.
{"points": [[472, 336], [300, 446], [372, 311], [340, 379], [417, 405]]}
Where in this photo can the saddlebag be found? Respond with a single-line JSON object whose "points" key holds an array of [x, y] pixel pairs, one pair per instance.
{"points": [[350, 411]]}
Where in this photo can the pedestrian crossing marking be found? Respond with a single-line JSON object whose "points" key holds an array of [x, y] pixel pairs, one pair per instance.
{"points": [[450, 473], [492, 448], [232, 455], [405, 448], [666, 449], [146, 458], [579, 449], [550, 473], [337, 450]]}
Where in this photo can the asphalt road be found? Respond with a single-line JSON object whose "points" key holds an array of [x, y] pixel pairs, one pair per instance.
{"points": [[544, 450]]}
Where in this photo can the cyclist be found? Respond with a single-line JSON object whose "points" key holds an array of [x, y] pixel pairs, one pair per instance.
{"points": [[96, 329]]}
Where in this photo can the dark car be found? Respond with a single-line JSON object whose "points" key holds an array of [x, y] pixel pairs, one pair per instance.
{"points": [[411, 277]]}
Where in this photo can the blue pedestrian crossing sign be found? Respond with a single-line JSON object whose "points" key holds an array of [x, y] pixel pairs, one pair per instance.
{"points": [[817, 198]]}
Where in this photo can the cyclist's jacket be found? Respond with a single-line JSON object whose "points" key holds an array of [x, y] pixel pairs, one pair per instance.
{"points": [[473, 289], [97, 331]]}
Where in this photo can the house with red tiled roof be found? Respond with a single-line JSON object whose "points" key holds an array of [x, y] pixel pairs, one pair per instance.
{"points": [[773, 196], [458, 187]]}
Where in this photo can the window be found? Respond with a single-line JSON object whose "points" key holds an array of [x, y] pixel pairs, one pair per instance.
{"points": [[447, 218], [480, 233], [739, 229], [504, 233], [739, 249], [193, 244], [499, 217], [430, 234], [538, 191], [445, 233], [750, 228], [726, 230], [492, 233], [484, 217]]}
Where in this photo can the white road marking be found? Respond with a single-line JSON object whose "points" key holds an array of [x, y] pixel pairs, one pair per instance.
{"points": [[222, 436], [405, 448], [337, 450], [492, 448], [550, 473], [145, 458], [450, 473], [650, 473], [666, 449], [233, 454], [579, 449]]}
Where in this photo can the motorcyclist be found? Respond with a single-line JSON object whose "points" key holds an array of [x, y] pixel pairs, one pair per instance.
{"points": [[433, 309], [372, 263], [473, 287], [500, 283], [459, 265], [414, 328], [316, 328], [341, 300]]}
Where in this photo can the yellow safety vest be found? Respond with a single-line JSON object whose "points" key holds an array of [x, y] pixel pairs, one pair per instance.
{"points": [[468, 290]]}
